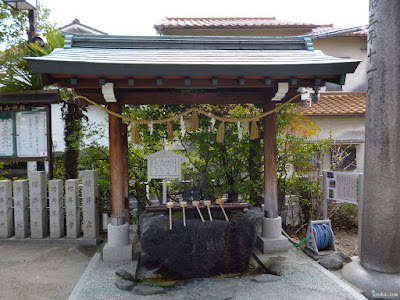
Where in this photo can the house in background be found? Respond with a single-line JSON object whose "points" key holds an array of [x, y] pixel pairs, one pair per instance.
{"points": [[340, 111], [345, 45], [340, 116], [77, 27]]}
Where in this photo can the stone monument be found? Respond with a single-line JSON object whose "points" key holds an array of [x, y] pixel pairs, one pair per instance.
{"points": [[379, 263]]}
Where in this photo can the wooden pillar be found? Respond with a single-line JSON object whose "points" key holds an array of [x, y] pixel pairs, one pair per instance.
{"points": [[126, 169], [117, 169], [270, 175]]}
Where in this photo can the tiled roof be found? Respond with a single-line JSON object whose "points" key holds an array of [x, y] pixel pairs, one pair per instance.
{"points": [[249, 23], [337, 103], [77, 25], [189, 56], [228, 22]]}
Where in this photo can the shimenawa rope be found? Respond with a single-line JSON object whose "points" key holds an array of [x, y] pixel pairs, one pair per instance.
{"points": [[194, 124]]}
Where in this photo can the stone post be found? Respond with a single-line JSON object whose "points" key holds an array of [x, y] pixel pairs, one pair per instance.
{"points": [[21, 209], [6, 210], [379, 263], [38, 203], [56, 202], [90, 192], [72, 208]]}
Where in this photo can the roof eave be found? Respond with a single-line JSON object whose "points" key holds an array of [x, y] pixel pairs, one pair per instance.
{"points": [[88, 68]]}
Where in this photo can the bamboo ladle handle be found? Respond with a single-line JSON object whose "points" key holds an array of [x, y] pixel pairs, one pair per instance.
{"points": [[170, 205], [183, 204], [196, 204], [219, 202], [207, 203]]}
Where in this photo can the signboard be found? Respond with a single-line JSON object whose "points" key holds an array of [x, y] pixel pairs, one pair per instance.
{"points": [[14, 107], [23, 134], [6, 137], [31, 134], [164, 165], [342, 186]]}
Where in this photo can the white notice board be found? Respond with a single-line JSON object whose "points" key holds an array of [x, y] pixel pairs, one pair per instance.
{"points": [[342, 186], [31, 134], [6, 137], [164, 165]]}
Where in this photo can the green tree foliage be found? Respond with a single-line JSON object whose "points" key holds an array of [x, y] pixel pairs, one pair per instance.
{"points": [[14, 24], [74, 116], [210, 163], [17, 76], [299, 163], [216, 168]]}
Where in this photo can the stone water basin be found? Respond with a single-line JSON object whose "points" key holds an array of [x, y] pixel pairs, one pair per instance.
{"points": [[200, 249]]}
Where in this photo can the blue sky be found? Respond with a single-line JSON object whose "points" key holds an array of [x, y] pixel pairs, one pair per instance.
{"points": [[130, 17]]}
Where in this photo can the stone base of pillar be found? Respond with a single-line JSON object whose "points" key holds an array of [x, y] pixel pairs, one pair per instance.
{"points": [[370, 280], [271, 239], [118, 247]]}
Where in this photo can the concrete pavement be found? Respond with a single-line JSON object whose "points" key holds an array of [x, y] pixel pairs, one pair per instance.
{"points": [[41, 271], [302, 278]]}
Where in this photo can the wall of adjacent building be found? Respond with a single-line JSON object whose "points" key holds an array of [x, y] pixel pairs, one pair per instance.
{"points": [[350, 46], [354, 47], [95, 115], [343, 128]]}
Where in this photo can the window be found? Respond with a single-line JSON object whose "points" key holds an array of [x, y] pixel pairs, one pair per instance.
{"points": [[315, 160], [343, 158]]}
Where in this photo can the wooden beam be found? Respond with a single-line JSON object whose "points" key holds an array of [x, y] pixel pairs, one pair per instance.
{"points": [[217, 96], [117, 170], [185, 82]]}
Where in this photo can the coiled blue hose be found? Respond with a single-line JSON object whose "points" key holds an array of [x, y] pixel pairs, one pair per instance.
{"points": [[323, 236]]}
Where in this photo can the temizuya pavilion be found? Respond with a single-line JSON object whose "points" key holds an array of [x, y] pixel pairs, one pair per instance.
{"points": [[125, 70]]}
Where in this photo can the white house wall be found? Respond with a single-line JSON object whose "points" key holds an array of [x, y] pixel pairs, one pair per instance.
{"points": [[94, 114], [343, 128], [348, 47]]}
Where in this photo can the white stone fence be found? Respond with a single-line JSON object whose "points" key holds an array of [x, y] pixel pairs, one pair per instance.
{"points": [[32, 210]]}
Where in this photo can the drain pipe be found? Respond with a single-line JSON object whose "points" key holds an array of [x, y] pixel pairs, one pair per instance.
{"points": [[336, 32]]}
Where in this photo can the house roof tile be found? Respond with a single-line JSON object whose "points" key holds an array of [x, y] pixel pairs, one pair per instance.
{"points": [[338, 103], [76, 24], [228, 22], [249, 23]]}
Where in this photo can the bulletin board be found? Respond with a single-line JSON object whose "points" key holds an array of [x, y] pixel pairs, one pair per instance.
{"points": [[342, 186], [24, 134], [31, 134]]}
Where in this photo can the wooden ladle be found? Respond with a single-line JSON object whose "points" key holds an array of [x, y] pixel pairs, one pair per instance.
{"points": [[197, 204]]}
